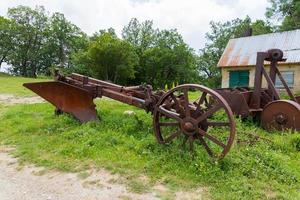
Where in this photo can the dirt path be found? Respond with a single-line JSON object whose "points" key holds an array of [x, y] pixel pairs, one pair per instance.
{"points": [[32, 183], [10, 99]]}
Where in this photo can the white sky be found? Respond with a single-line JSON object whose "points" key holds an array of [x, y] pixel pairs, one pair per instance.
{"points": [[190, 17]]}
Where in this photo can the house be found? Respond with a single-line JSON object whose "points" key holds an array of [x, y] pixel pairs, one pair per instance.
{"points": [[239, 58]]}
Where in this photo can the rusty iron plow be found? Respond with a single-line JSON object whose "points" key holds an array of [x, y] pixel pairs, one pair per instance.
{"points": [[191, 115], [176, 115]]}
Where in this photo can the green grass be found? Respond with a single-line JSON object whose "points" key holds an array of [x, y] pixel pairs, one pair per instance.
{"points": [[126, 145], [13, 85], [267, 168]]}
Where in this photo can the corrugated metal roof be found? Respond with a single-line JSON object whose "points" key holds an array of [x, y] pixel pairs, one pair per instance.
{"points": [[242, 51]]}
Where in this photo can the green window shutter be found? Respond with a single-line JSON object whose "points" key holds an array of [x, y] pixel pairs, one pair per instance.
{"points": [[244, 78], [233, 78], [239, 78]]}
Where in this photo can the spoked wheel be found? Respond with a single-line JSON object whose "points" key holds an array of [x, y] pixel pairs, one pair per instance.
{"points": [[195, 115]]}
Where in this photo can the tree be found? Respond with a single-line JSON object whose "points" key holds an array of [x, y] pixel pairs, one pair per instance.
{"points": [[164, 58], [7, 39], [142, 36], [261, 27], [110, 58], [286, 11], [63, 40], [169, 61], [30, 37], [218, 38]]}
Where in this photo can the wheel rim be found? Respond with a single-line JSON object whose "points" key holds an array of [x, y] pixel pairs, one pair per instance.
{"points": [[193, 113], [281, 115]]}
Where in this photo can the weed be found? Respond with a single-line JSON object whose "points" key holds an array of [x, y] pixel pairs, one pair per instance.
{"points": [[138, 186], [83, 175]]}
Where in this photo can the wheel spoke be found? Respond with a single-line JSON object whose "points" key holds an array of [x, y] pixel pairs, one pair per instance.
{"points": [[169, 113], [202, 98], [172, 136], [218, 123], [186, 102], [207, 148], [208, 113], [168, 123], [212, 138]]}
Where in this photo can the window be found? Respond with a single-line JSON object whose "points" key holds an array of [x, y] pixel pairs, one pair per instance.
{"points": [[288, 76], [239, 78]]}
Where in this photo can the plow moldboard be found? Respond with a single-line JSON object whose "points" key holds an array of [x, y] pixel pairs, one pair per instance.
{"points": [[70, 99]]}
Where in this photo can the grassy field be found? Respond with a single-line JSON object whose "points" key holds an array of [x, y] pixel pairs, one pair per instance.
{"points": [[13, 85], [256, 168]]}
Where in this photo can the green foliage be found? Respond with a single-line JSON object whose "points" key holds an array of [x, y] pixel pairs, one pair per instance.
{"points": [[31, 27], [169, 60], [285, 11], [110, 58], [7, 42], [34, 42], [63, 40], [163, 55]]}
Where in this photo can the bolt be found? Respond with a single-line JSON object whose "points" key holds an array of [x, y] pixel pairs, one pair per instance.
{"points": [[188, 126]]}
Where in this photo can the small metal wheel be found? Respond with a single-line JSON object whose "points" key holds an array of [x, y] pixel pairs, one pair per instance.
{"points": [[281, 115], [194, 114]]}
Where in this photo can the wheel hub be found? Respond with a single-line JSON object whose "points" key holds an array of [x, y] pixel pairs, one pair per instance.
{"points": [[281, 119], [189, 126]]}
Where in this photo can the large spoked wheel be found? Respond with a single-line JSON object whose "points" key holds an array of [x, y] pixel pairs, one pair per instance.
{"points": [[196, 116]]}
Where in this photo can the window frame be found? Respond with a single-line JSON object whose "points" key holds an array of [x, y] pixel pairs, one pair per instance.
{"points": [[278, 84]]}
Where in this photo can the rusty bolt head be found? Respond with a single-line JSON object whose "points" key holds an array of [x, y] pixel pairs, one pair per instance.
{"points": [[189, 127]]}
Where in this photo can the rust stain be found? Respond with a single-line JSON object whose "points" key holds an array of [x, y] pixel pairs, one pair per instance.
{"points": [[235, 59], [245, 61], [223, 62], [242, 51]]}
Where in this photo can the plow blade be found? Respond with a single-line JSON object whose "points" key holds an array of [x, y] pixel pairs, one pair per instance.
{"points": [[70, 99]]}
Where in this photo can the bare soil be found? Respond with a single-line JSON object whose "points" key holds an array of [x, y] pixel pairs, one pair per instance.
{"points": [[10, 99], [18, 182], [34, 183]]}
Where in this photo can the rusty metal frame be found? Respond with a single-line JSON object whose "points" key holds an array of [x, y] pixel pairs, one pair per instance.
{"points": [[246, 102]]}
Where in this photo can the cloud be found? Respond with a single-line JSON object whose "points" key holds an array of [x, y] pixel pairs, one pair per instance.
{"points": [[190, 17]]}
